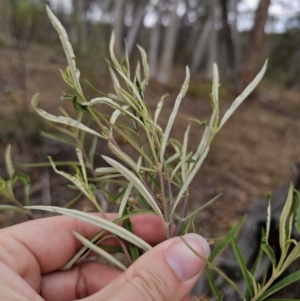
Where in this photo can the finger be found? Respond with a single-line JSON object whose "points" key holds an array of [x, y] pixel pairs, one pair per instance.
{"points": [[79, 282], [167, 272], [50, 243]]}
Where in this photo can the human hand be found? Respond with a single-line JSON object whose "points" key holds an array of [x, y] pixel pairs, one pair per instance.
{"points": [[32, 253]]}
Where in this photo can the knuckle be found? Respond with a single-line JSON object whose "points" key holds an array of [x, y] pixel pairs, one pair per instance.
{"points": [[150, 286]]}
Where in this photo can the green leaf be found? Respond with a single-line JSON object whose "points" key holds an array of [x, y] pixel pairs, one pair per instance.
{"points": [[281, 284], [134, 252], [244, 95], [77, 105], [222, 245], [61, 119], [297, 218], [12, 208], [132, 178], [99, 222], [242, 265], [174, 114], [194, 213], [58, 138], [212, 283], [8, 162], [92, 149], [26, 183], [99, 251]]}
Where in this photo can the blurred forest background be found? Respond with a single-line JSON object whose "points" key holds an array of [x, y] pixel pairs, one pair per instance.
{"points": [[258, 149]]}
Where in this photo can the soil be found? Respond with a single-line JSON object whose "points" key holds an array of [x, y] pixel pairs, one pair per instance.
{"points": [[253, 154]]}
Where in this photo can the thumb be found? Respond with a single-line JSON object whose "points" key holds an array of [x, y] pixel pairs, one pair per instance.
{"points": [[167, 272]]}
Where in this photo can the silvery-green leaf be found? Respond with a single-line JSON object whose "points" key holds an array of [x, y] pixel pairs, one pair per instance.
{"points": [[80, 185], [145, 67], [99, 251], [184, 151], [123, 156], [111, 51], [114, 78], [268, 221], [293, 255], [8, 162], [206, 138], [138, 164], [159, 107], [112, 104], [174, 114], [99, 222], [283, 218], [215, 93], [61, 119], [105, 170], [82, 165], [173, 158], [132, 178], [189, 180], [67, 48], [244, 95], [125, 199], [115, 115], [180, 164]]}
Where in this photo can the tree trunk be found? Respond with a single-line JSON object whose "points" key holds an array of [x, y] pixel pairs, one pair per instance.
{"points": [[230, 50], [154, 41], [257, 36], [212, 55], [201, 46], [235, 32], [118, 27], [166, 64], [136, 27]]}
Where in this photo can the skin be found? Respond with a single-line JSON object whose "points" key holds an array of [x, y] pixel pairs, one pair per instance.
{"points": [[32, 253]]}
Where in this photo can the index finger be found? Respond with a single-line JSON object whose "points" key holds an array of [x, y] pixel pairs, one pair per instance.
{"points": [[52, 244]]}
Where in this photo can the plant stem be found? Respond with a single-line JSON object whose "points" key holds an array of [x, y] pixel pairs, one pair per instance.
{"points": [[182, 215], [28, 212], [266, 286], [164, 201]]}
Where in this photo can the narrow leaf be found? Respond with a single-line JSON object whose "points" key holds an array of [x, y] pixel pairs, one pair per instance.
{"points": [[61, 119], [67, 48], [8, 162], [244, 95], [132, 178], [99, 251], [174, 114], [125, 199], [226, 240], [99, 222]]}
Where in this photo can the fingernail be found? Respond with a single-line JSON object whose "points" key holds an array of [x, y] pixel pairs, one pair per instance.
{"points": [[183, 261]]}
